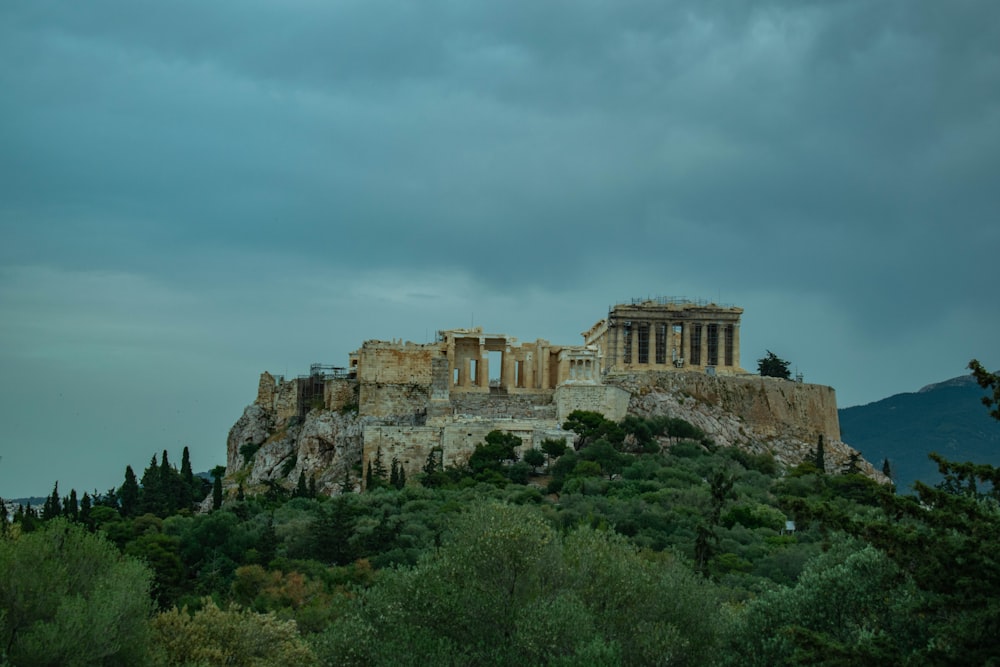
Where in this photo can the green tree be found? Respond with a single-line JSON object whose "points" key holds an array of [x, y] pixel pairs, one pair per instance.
{"points": [[217, 492], [71, 507], [152, 495], [534, 458], [990, 382], [301, 490], [53, 506], [610, 460], [591, 426], [189, 488], [212, 636], [771, 365], [851, 606], [553, 448], [128, 494], [70, 598], [499, 448], [85, 509]]}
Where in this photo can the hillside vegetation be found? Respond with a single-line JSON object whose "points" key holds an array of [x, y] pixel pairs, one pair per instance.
{"points": [[642, 543]]}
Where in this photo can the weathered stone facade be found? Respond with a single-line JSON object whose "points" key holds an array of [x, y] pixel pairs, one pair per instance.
{"points": [[403, 401], [668, 333]]}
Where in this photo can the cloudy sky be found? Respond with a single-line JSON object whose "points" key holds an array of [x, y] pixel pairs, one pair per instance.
{"points": [[194, 192]]}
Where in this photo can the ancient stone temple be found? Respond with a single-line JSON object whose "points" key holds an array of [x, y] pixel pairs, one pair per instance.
{"points": [[659, 334]]}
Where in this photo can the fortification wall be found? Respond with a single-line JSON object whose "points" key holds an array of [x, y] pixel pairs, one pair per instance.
{"points": [[279, 397], [340, 393], [610, 401], [393, 400], [522, 405], [396, 363], [770, 406]]}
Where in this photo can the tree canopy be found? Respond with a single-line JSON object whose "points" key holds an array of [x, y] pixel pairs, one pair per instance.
{"points": [[771, 365]]}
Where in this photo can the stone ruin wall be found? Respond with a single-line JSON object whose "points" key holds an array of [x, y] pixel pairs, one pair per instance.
{"points": [[282, 399], [523, 405], [610, 401]]}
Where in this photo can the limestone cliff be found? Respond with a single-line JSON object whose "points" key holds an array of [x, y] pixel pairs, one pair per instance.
{"points": [[757, 414], [324, 445]]}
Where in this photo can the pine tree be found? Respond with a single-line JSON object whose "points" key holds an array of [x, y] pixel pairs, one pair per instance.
{"points": [[128, 493], [853, 467]]}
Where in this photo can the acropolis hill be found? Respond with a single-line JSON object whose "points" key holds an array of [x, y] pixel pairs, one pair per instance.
{"points": [[402, 400]]}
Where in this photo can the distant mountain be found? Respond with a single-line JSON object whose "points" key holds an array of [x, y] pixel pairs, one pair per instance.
{"points": [[947, 417]]}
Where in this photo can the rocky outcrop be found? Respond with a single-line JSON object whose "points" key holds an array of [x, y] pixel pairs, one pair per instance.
{"points": [[322, 446], [252, 429], [759, 415]]}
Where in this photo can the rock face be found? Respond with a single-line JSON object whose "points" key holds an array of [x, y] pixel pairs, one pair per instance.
{"points": [[322, 446], [757, 414]]}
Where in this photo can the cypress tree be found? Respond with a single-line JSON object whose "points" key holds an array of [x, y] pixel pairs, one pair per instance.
{"points": [[820, 455], [3, 517], [128, 493], [217, 493], [300, 489], [240, 495], [153, 490], [85, 507], [394, 474], [71, 508], [312, 486], [52, 507], [190, 486]]}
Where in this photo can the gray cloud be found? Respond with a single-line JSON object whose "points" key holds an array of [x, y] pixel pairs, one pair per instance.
{"points": [[200, 182]]}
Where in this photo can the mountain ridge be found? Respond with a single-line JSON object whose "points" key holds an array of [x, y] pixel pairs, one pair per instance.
{"points": [[947, 417]]}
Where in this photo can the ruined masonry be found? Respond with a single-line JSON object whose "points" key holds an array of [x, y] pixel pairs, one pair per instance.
{"points": [[657, 355]]}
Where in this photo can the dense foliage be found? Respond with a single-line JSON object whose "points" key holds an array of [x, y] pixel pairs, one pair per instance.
{"points": [[771, 365], [639, 543]]}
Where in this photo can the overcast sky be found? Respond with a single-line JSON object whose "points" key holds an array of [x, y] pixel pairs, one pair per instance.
{"points": [[194, 192]]}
